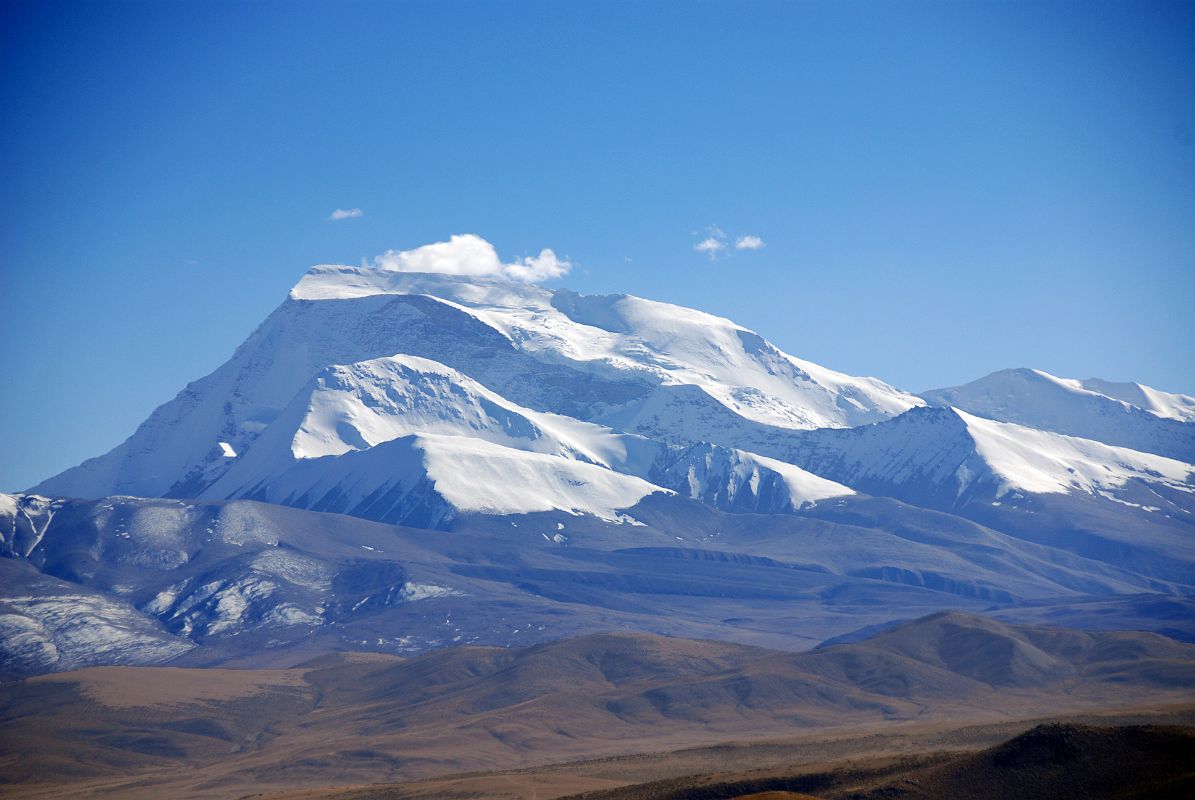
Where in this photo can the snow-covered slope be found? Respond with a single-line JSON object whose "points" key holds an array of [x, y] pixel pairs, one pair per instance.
{"points": [[1164, 404], [621, 335], [360, 405], [1123, 414], [406, 439], [946, 456], [1043, 462], [426, 479]]}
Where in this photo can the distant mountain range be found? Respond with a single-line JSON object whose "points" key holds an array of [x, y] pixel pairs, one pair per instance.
{"points": [[495, 462]]}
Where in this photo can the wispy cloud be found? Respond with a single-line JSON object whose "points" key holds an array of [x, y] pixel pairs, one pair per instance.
{"points": [[469, 254], [717, 243], [711, 246], [345, 213]]}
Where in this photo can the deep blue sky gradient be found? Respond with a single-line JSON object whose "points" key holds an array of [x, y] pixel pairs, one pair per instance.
{"points": [[945, 189]]}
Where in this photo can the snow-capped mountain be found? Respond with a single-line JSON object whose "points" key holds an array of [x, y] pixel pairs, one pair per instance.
{"points": [[414, 397], [1123, 414], [595, 458], [678, 375]]}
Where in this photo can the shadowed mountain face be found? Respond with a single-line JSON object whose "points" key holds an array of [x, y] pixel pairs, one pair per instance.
{"points": [[365, 718]]}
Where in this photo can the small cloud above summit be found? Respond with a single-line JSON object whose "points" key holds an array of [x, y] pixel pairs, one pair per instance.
{"points": [[749, 243], [345, 213], [469, 254]]}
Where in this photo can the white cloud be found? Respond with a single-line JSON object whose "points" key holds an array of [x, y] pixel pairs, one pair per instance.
{"points": [[345, 213], [710, 246], [749, 243], [465, 254], [469, 254]]}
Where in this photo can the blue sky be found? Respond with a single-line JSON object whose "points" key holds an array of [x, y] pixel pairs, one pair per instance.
{"points": [[943, 189]]}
